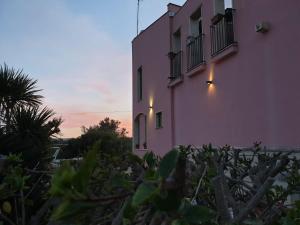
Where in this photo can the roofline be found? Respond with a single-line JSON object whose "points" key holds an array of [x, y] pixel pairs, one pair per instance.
{"points": [[174, 4], [156, 21], [181, 7], [149, 26]]}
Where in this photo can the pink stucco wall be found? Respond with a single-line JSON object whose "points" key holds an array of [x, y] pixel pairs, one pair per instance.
{"points": [[256, 91]]}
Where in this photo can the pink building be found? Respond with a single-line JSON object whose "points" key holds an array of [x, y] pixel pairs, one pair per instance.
{"points": [[220, 72]]}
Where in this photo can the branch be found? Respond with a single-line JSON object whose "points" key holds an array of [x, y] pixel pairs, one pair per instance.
{"points": [[254, 201], [7, 219], [110, 198], [39, 171], [118, 219], [34, 186], [35, 220], [23, 213], [199, 183]]}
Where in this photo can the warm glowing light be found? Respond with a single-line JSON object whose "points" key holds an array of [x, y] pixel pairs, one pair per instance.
{"points": [[211, 72], [151, 106], [210, 83]]}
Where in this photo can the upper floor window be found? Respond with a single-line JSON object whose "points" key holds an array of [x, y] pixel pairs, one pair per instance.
{"points": [[196, 23], [177, 41], [221, 5], [222, 30], [175, 55], [140, 84], [195, 41], [159, 120]]}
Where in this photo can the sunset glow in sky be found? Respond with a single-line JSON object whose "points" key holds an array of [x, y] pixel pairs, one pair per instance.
{"points": [[80, 52]]}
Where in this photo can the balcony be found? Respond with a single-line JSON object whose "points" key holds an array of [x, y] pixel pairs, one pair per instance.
{"points": [[175, 65], [222, 32], [195, 52]]}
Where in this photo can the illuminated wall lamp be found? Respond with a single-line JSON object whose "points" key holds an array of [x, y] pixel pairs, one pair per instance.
{"points": [[150, 107], [209, 82]]}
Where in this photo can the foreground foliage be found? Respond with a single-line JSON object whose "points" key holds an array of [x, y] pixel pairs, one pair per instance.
{"points": [[25, 132], [187, 186]]}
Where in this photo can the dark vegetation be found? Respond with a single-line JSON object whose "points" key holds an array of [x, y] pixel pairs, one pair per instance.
{"points": [[113, 139], [187, 186], [111, 185]]}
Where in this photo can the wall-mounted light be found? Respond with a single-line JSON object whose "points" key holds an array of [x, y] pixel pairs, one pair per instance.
{"points": [[150, 107], [209, 82]]}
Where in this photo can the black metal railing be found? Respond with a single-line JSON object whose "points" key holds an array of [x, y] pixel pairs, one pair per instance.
{"points": [[222, 32], [175, 64], [195, 52]]}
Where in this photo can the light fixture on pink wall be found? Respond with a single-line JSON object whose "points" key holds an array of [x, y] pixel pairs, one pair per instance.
{"points": [[209, 82]]}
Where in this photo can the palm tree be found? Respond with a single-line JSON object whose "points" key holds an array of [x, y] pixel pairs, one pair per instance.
{"points": [[16, 89], [24, 127], [30, 133]]}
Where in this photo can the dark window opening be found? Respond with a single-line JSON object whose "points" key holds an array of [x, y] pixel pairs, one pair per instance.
{"points": [[195, 55], [140, 132], [175, 56], [159, 120], [221, 5], [140, 84]]}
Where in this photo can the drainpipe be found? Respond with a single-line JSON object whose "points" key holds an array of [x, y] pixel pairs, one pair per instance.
{"points": [[171, 16]]}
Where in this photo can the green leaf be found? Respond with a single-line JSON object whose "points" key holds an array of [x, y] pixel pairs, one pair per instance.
{"points": [[195, 214], [167, 202], [134, 158], [129, 212], [126, 222], [150, 159], [62, 180], [151, 175], [168, 163], [68, 209], [198, 215], [82, 177], [287, 221], [143, 193], [253, 222], [179, 222], [120, 181]]}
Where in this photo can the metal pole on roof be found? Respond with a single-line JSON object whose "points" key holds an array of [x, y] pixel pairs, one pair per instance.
{"points": [[137, 17]]}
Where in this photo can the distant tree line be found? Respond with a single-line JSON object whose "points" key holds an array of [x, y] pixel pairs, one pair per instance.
{"points": [[108, 133]]}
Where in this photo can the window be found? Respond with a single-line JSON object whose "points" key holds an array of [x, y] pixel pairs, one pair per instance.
{"points": [[221, 5], [196, 23], [159, 120], [140, 132], [140, 84], [222, 29], [137, 133], [195, 41], [177, 41], [175, 56]]}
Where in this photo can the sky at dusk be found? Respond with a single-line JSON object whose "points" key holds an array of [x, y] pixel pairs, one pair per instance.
{"points": [[80, 53]]}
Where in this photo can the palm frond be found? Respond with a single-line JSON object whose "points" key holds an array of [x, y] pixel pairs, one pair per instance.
{"points": [[16, 90]]}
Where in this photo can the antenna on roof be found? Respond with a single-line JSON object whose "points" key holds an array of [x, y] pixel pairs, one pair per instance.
{"points": [[137, 17]]}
